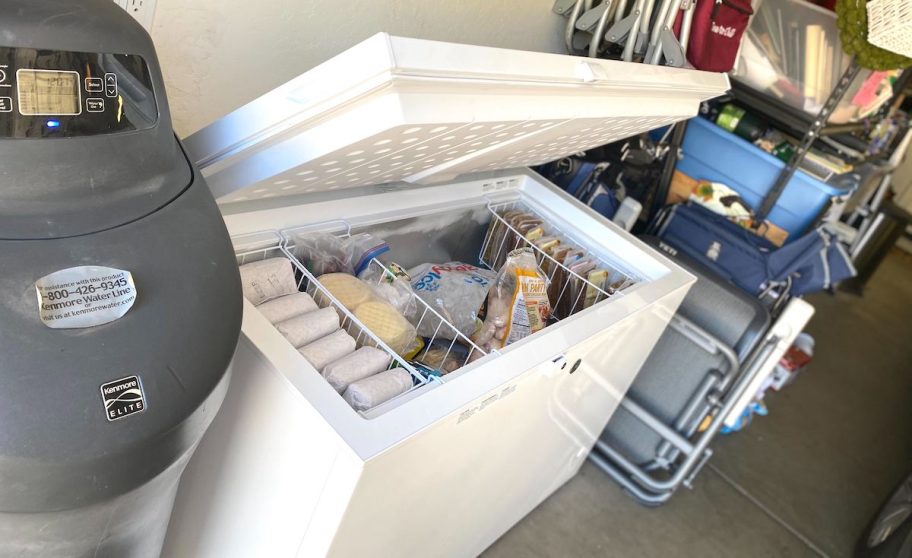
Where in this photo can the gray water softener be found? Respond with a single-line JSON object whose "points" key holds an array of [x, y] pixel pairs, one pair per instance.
{"points": [[120, 302]]}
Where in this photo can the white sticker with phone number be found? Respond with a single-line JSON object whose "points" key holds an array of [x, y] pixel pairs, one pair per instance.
{"points": [[84, 296]]}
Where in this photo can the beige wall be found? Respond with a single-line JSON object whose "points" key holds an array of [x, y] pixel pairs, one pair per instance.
{"points": [[219, 54]]}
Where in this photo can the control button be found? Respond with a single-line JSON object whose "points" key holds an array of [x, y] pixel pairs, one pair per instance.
{"points": [[95, 104], [110, 82], [4, 74], [94, 85], [6, 104]]}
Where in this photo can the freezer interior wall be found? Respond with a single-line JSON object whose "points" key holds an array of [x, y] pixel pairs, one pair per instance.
{"points": [[459, 236], [435, 238]]}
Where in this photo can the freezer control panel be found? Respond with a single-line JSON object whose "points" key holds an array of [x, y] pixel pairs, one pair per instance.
{"points": [[64, 94]]}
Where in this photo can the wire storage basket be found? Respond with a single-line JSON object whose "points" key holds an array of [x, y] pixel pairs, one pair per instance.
{"points": [[264, 246], [571, 288], [890, 25]]}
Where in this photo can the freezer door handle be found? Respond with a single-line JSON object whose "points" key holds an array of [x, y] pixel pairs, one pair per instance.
{"points": [[559, 363], [588, 73]]}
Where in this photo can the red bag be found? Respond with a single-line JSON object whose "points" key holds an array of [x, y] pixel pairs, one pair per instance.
{"points": [[716, 32]]}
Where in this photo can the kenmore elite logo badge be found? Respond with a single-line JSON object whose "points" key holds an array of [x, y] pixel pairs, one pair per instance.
{"points": [[123, 398]]}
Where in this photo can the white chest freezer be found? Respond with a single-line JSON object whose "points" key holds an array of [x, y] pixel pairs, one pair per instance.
{"points": [[373, 140]]}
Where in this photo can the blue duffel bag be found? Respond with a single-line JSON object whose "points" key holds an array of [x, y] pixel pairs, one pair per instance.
{"points": [[575, 176], [811, 263]]}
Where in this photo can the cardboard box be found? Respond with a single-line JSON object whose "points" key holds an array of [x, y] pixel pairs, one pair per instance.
{"points": [[771, 232], [680, 189]]}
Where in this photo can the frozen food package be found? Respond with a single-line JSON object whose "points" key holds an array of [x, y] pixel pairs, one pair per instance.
{"points": [[547, 244], [267, 279], [519, 222], [358, 365], [413, 348], [321, 253], [597, 283], [347, 289], [309, 327], [618, 281], [381, 318], [391, 284], [328, 349], [517, 304], [574, 294], [456, 291], [549, 265], [531, 229], [362, 248], [558, 289], [442, 357], [497, 230], [507, 237], [379, 388], [288, 306]]}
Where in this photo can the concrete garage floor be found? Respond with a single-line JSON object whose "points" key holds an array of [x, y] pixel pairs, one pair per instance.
{"points": [[803, 481]]}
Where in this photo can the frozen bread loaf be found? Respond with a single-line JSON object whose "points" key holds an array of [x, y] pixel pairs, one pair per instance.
{"points": [[288, 306], [327, 349], [347, 289], [267, 279], [387, 323], [309, 327], [379, 388], [360, 364]]}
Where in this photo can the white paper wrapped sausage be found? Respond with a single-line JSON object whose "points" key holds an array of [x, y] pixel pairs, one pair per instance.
{"points": [[362, 363], [309, 327], [327, 349], [267, 279], [286, 307], [379, 388]]}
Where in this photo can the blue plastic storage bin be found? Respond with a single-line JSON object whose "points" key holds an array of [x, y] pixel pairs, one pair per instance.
{"points": [[711, 153]]}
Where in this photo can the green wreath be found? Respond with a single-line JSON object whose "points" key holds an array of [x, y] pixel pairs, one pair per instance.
{"points": [[852, 20]]}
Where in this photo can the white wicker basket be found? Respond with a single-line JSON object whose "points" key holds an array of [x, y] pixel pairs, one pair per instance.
{"points": [[890, 25]]}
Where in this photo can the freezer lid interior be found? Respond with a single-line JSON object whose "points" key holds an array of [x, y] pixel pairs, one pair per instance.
{"points": [[394, 109]]}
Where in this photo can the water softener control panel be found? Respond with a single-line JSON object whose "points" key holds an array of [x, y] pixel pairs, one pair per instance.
{"points": [[62, 94]]}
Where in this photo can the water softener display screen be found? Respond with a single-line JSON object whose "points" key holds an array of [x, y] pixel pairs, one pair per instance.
{"points": [[48, 92]]}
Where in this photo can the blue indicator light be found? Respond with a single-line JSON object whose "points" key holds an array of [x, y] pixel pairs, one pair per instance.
{"points": [[53, 123]]}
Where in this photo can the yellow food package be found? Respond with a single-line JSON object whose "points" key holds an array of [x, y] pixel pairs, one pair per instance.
{"points": [[596, 280], [517, 304]]}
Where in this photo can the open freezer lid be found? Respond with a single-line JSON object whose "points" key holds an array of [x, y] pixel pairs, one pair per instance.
{"points": [[395, 109]]}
